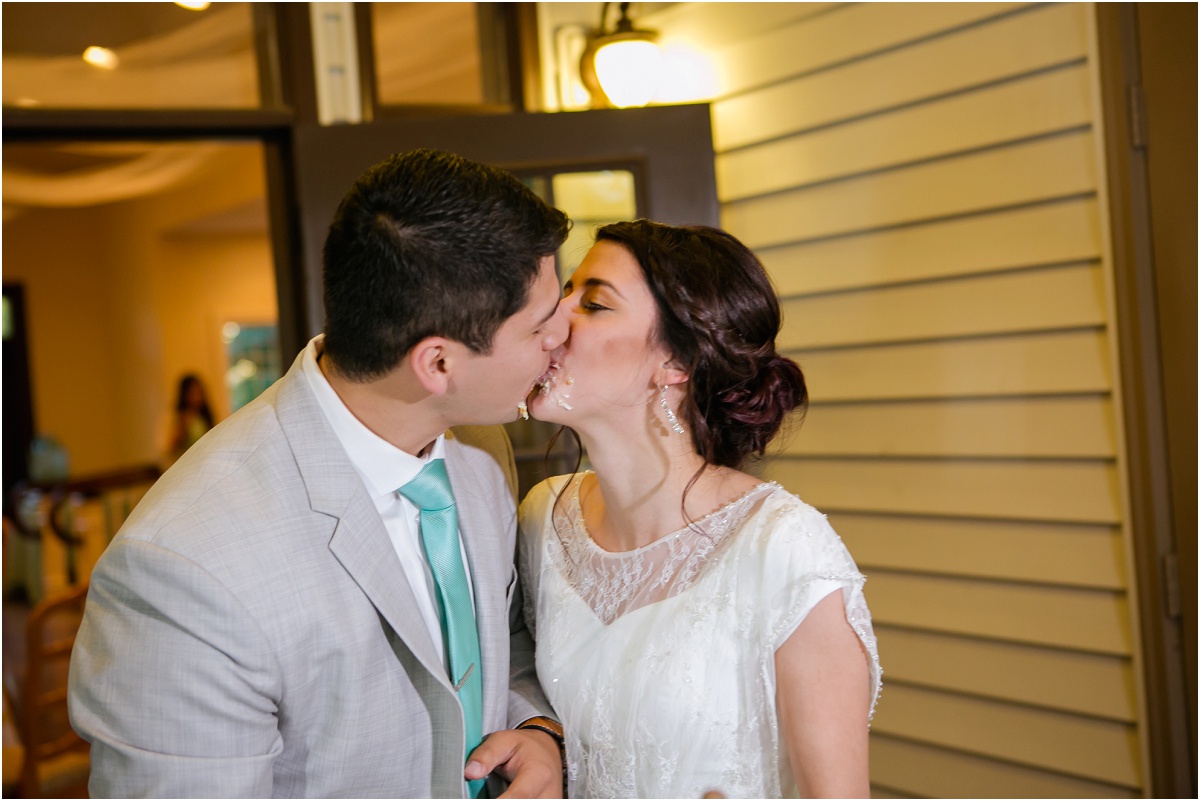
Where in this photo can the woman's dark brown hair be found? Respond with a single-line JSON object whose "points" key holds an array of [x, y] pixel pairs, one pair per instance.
{"points": [[718, 316]]}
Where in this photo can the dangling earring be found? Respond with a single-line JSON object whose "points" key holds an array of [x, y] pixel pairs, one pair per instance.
{"points": [[672, 420]]}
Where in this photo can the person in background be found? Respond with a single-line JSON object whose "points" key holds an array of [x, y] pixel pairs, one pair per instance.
{"points": [[314, 601], [193, 417], [699, 631]]}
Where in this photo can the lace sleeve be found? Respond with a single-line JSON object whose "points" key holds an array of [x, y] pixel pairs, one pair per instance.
{"points": [[804, 560]]}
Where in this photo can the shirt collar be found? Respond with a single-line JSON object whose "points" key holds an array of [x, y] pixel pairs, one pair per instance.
{"points": [[384, 468]]}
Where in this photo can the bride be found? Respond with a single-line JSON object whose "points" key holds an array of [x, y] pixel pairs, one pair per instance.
{"points": [[697, 630]]}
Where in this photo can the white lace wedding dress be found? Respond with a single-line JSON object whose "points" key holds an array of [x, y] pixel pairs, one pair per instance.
{"points": [[660, 661]]}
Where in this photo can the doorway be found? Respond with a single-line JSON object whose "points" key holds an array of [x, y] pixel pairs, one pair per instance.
{"points": [[133, 257]]}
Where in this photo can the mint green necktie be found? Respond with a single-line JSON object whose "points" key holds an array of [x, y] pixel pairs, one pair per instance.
{"points": [[430, 492]]}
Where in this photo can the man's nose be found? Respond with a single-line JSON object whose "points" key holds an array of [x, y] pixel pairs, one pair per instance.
{"points": [[558, 329]]}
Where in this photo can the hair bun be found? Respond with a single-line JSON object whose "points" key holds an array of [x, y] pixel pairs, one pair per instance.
{"points": [[776, 388]]}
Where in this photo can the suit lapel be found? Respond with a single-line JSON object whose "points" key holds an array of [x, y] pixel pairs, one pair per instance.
{"points": [[360, 542]]}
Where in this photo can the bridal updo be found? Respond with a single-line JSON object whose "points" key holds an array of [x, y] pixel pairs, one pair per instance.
{"points": [[718, 316]]}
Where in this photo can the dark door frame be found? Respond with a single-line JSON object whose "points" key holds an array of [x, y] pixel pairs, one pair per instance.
{"points": [[1161, 452], [668, 148], [18, 396]]}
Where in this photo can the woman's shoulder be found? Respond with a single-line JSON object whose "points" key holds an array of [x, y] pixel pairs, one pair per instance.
{"points": [[787, 531], [786, 511]]}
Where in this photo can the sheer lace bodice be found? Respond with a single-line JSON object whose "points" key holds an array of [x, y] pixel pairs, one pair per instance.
{"points": [[660, 661], [613, 584]]}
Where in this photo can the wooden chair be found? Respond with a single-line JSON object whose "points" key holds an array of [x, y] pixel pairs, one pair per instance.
{"points": [[56, 761]]}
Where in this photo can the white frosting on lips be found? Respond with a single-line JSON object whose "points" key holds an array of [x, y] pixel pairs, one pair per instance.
{"points": [[558, 390]]}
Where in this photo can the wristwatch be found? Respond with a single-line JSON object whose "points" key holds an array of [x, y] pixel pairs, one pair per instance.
{"points": [[555, 730]]}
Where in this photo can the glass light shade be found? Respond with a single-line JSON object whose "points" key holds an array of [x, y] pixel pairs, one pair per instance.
{"points": [[101, 57], [628, 71]]}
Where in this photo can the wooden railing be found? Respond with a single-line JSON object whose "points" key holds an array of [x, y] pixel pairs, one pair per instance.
{"points": [[55, 514]]}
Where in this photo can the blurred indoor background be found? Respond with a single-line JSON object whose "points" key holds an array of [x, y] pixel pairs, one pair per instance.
{"points": [[981, 218]]}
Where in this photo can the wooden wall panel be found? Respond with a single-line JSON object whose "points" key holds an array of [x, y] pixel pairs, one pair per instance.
{"points": [[1051, 678], [933, 772], [1068, 554], [921, 182], [1047, 299], [1043, 234], [1060, 166], [854, 33], [1068, 491], [1053, 363], [1071, 426], [710, 27], [1085, 747], [1007, 112], [1042, 38], [1093, 621]]}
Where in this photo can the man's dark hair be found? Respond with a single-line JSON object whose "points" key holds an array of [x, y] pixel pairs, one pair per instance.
{"points": [[425, 244]]}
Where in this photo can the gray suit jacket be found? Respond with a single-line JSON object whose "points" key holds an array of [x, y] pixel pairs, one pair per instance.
{"points": [[250, 632]]}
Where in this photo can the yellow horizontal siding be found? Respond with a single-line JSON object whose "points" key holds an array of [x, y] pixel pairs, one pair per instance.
{"points": [[883, 792], [1086, 684], [709, 27], [925, 771], [1039, 104], [1051, 233], [855, 31], [920, 181], [1073, 745], [1024, 173], [1042, 427], [1070, 296], [1041, 38], [1075, 491], [1069, 362], [1070, 554], [1094, 621]]}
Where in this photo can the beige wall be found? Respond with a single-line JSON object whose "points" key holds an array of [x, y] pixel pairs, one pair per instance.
{"points": [[72, 312], [124, 298], [923, 183]]}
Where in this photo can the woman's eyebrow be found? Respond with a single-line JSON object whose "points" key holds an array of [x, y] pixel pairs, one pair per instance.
{"points": [[600, 282]]}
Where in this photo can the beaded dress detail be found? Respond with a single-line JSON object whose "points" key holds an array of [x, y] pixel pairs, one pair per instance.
{"points": [[660, 661]]}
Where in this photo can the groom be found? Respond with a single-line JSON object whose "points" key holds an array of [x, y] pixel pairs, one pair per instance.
{"points": [[317, 599]]}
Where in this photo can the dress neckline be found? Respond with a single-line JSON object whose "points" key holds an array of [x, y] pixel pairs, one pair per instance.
{"points": [[726, 509]]}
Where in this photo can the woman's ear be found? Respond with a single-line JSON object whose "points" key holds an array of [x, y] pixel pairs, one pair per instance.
{"points": [[670, 373], [429, 360]]}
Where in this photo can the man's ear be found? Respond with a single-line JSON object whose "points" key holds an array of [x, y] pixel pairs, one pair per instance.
{"points": [[429, 362]]}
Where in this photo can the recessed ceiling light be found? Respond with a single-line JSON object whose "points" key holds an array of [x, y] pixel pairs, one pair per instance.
{"points": [[100, 57], [192, 5]]}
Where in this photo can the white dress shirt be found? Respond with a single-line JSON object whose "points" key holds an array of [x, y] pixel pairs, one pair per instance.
{"points": [[384, 468]]}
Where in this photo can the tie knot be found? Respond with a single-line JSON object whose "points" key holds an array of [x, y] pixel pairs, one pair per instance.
{"points": [[430, 490]]}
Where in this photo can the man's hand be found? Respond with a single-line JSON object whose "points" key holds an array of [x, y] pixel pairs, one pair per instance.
{"points": [[528, 759]]}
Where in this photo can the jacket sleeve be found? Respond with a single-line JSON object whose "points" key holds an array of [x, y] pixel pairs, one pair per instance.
{"points": [[526, 699], [172, 682]]}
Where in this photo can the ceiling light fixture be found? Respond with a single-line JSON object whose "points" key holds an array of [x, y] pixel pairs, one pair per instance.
{"points": [[192, 5], [101, 57], [621, 68]]}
